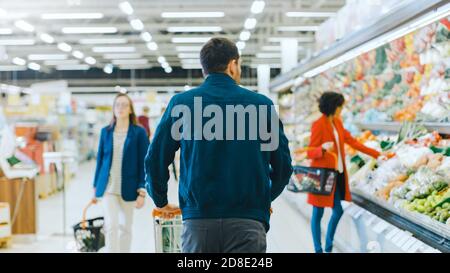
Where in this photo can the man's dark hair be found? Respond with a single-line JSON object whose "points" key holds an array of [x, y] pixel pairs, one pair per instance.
{"points": [[216, 54], [329, 102]]}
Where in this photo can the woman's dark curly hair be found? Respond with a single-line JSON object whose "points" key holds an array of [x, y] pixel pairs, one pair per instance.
{"points": [[329, 102]]}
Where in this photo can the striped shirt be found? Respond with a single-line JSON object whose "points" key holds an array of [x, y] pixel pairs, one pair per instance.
{"points": [[115, 174]]}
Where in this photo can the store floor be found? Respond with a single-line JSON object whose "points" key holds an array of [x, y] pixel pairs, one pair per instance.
{"points": [[289, 231]]}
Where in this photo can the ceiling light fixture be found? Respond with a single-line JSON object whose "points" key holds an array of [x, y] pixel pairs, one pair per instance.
{"points": [[217, 14], [67, 16], [23, 25], [257, 7], [18, 61], [137, 24], [83, 30], [126, 8], [93, 41], [34, 66]]}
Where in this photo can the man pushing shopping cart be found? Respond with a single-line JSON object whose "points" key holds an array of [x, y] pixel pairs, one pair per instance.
{"points": [[226, 184]]}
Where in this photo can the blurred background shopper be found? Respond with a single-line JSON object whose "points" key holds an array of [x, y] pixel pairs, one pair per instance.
{"points": [[226, 186], [144, 120], [328, 136], [119, 175]]}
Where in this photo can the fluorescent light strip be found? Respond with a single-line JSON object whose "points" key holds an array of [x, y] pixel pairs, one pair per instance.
{"points": [[192, 14], [5, 31], [195, 29], [64, 47], [18, 61], [310, 14], [191, 66], [34, 66], [90, 60], [257, 7], [161, 59], [25, 26], [73, 67], [190, 61], [61, 62], [83, 30], [268, 55], [137, 24], [250, 23], [187, 40], [108, 69], [122, 56], [67, 16], [128, 61], [17, 42], [245, 35], [299, 39], [152, 46], [126, 8], [104, 49], [78, 54], [189, 48], [188, 55], [12, 68], [93, 41], [40, 57], [168, 70], [272, 65], [271, 48], [298, 28], [135, 66], [147, 37], [240, 45], [47, 38]]}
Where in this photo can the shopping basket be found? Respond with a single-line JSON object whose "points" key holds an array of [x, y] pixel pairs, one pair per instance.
{"points": [[167, 232], [89, 233], [320, 181]]}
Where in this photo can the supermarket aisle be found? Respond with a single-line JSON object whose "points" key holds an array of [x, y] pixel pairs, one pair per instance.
{"points": [[288, 233]]}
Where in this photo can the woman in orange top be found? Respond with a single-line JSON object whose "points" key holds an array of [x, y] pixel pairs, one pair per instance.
{"points": [[328, 136]]}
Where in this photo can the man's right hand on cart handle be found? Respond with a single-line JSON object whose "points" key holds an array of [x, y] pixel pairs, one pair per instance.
{"points": [[168, 211]]}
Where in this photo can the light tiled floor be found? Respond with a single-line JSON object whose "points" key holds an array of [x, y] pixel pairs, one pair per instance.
{"points": [[289, 231]]}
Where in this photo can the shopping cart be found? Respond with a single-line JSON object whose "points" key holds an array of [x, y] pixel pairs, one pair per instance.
{"points": [[89, 234], [167, 232]]}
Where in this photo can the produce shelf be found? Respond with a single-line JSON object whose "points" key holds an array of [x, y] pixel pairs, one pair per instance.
{"points": [[401, 16], [442, 128], [433, 233]]}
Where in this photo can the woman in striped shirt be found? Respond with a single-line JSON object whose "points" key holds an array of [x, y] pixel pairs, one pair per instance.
{"points": [[119, 176]]}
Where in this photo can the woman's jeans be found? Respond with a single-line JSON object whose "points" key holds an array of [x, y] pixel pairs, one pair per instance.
{"points": [[332, 225]]}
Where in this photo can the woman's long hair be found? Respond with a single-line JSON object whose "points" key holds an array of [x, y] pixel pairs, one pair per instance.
{"points": [[132, 116]]}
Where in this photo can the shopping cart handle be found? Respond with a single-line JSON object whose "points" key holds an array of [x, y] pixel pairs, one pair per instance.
{"points": [[158, 213]]}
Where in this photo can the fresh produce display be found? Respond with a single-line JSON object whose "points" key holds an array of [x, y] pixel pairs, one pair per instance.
{"points": [[407, 79], [416, 179]]}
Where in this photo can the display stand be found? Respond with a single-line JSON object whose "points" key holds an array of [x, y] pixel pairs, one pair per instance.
{"points": [[60, 159]]}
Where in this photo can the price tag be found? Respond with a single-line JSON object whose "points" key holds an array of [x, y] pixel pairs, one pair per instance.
{"points": [[409, 244], [392, 233], [381, 226], [370, 220], [415, 247], [397, 237], [403, 238]]}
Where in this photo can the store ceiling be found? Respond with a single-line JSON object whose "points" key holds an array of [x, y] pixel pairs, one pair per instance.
{"points": [[35, 32]]}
